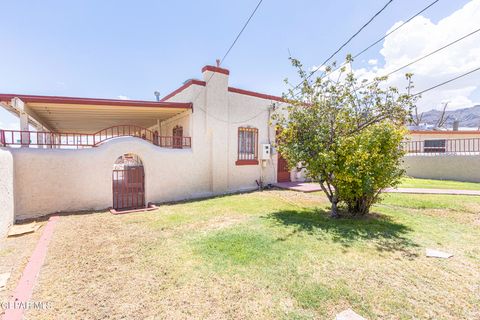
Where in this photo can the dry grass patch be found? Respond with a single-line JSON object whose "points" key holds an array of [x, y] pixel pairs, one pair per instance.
{"points": [[264, 255]]}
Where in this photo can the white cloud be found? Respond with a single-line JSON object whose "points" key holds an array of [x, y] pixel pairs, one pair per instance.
{"points": [[318, 68], [372, 62], [123, 97], [421, 36], [8, 121]]}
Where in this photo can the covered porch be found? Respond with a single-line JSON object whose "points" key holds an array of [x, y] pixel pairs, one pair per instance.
{"points": [[66, 122]]}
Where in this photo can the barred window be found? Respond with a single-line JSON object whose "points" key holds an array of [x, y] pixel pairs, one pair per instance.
{"points": [[434, 145], [247, 146]]}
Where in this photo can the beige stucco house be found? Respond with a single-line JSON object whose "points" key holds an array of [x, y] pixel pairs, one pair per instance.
{"points": [[205, 138]]}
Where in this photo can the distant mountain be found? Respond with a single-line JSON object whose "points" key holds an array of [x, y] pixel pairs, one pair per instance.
{"points": [[468, 117]]}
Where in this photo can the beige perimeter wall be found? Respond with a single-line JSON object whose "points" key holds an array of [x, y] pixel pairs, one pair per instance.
{"points": [[49, 180], [447, 167], [6, 191]]}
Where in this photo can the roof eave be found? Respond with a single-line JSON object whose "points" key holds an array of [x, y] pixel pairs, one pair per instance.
{"points": [[94, 101]]}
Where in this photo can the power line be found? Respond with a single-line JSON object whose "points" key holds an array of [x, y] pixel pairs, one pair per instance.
{"points": [[392, 31], [223, 59], [426, 56], [382, 38], [241, 31], [389, 33], [348, 41], [448, 81], [433, 52], [251, 118]]}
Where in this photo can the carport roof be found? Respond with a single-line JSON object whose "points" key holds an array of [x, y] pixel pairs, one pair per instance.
{"points": [[86, 115]]}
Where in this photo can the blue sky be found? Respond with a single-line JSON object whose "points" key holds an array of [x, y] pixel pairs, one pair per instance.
{"points": [[108, 49]]}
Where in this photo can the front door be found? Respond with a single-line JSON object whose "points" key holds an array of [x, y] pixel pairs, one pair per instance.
{"points": [[177, 137], [283, 172]]}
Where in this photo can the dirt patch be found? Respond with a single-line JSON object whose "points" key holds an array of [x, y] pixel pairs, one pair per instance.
{"points": [[301, 199], [216, 298], [464, 217]]}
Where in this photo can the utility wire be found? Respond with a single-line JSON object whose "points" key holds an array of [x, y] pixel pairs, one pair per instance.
{"points": [[388, 33], [223, 59], [346, 42], [241, 31], [426, 56], [433, 52], [382, 38], [448, 81], [392, 31]]}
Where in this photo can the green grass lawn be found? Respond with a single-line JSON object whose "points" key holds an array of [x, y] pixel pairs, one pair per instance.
{"points": [[266, 255], [438, 184]]}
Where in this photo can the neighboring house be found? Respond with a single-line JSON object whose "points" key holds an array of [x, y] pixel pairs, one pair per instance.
{"points": [[450, 155], [205, 138]]}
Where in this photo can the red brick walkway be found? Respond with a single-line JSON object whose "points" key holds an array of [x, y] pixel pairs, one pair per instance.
{"points": [[23, 293]]}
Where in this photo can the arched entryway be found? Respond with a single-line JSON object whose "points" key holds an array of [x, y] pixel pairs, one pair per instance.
{"points": [[128, 183]]}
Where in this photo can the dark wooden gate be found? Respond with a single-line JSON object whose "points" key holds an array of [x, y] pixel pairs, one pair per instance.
{"points": [[129, 188], [283, 172]]}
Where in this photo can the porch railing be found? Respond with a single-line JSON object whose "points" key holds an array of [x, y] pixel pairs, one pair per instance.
{"points": [[88, 140], [443, 147]]}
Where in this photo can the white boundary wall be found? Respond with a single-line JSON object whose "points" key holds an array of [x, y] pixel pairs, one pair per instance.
{"points": [[444, 167], [49, 180], [6, 191]]}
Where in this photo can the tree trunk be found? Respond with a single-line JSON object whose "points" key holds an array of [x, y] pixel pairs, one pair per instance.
{"points": [[361, 207], [334, 213]]}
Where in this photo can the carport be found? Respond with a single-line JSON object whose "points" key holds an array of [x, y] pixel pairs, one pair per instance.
{"points": [[86, 122]]}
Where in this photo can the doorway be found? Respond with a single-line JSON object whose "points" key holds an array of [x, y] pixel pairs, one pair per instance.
{"points": [[177, 137], [128, 183], [283, 172]]}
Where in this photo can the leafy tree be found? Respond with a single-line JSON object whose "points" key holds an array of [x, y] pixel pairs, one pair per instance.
{"points": [[347, 134]]}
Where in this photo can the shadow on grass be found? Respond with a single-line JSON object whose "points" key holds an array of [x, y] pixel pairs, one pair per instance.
{"points": [[380, 230]]}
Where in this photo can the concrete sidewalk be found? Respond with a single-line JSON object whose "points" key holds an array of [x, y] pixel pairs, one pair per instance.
{"points": [[434, 191], [313, 187], [299, 186]]}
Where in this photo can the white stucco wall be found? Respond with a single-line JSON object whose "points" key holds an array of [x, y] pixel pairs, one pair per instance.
{"points": [[49, 180], [248, 111], [6, 191], [183, 120], [217, 115], [445, 167]]}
